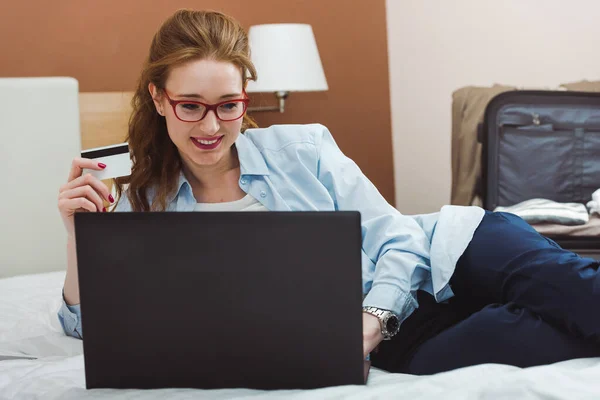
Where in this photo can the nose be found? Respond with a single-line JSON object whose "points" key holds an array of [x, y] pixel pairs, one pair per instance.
{"points": [[210, 123]]}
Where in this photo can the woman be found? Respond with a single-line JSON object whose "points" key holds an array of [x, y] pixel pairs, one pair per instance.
{"points": [[490, 288]]}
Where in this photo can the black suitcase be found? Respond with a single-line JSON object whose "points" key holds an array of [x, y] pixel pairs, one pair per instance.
{"points": [[542, 144]]}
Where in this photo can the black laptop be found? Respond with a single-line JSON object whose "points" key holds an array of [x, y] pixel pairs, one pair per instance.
{"points": [[264, 300]]}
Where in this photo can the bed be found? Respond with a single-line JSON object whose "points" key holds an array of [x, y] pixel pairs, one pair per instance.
{"points": [[29, 328], [37, 361]]}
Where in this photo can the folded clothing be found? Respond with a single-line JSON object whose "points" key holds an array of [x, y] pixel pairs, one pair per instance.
{"points": [[537, 211], [594, 204]]}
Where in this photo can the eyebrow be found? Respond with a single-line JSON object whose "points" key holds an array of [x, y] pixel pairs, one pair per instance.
{"points": [[197, 96]]}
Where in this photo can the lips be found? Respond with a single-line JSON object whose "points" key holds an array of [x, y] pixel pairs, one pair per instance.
{"points": [[207, 143]]}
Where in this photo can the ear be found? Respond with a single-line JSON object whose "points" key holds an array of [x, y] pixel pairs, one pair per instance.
{"points": [[156, 98]]}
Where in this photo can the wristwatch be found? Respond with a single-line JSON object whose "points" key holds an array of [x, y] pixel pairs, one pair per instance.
{"points": [[390, 325]]}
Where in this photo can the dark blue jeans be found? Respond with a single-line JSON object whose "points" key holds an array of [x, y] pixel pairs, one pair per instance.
{"points": [[519, 299]]}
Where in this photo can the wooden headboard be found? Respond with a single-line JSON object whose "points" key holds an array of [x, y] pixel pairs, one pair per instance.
{"points": [[103, 117]]}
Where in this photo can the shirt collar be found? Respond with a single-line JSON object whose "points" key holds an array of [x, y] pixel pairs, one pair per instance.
{"points": [[251, 161]]}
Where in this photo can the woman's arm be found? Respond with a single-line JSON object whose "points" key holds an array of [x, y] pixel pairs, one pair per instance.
{"points": [[395, 243], [71, 288], [69, 314]]}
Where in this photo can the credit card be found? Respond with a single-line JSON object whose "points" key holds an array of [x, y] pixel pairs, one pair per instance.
{"points": [[116, 158]]}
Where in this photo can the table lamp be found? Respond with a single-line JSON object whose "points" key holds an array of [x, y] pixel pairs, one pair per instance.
{"points": [[286, 60]]}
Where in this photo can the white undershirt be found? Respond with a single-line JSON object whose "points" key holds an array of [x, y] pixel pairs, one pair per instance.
{"points": [[248, 203]]}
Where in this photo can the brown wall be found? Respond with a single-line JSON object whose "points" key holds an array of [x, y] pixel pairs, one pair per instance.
{"points": [[103, 43]]}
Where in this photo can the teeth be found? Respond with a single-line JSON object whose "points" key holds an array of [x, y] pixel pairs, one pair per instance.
{"points": [[206, 142]]}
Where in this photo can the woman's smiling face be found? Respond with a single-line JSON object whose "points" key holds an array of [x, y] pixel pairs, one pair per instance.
{"points": [[207, 142]]}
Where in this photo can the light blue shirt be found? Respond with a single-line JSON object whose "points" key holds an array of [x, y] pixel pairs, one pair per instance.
{"points": [[301, 168]]}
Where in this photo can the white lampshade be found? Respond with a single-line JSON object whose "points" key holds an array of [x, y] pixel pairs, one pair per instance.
{"points": [[286, 59]]}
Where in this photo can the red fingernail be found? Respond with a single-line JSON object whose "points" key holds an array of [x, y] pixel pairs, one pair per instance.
{"points": [[104, 209], [101, 165], [110, 198]]}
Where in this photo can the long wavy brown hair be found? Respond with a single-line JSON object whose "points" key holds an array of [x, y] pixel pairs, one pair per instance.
{"points": [[185, 36]]}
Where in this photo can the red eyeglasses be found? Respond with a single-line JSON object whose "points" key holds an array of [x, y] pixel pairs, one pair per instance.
{"points": [[194, 111]]}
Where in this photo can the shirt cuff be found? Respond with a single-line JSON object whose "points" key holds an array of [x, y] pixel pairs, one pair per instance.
{"points": [[389, 297], [70, 319]]}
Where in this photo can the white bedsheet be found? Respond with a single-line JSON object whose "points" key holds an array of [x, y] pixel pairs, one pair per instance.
{"points": [[28, 317], [28, 326]]}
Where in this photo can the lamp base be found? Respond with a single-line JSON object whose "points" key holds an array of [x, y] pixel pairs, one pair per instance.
{"points": [[281, 96]]}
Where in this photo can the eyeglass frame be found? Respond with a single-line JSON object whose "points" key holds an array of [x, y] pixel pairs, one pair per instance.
{"points": [[209, 107]]}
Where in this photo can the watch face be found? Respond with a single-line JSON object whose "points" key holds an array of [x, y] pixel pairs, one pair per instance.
{"points": [[392, 325]]}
